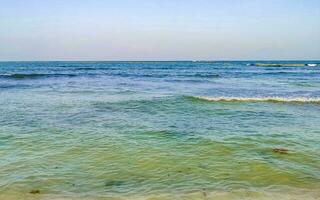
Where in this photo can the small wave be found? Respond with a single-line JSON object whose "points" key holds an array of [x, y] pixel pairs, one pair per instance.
{"points": [[259, 99], [199, 75], [86, 68], [282, 64], [33, 76], [14, 86]]}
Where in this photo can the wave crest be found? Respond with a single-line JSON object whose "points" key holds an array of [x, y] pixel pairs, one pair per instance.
{"points": [[283, 64], [259, 99]]}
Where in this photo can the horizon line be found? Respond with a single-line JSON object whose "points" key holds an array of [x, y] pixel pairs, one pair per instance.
{"points": [[193, 60]]}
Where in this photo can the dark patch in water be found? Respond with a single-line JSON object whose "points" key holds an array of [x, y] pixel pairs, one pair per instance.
{"points": [[35, 191], [202, 166], [113, 183], [88, 68], [187, 81], [14, 86], [6, 137], [204, 75], [280, 150], [204, 193]]}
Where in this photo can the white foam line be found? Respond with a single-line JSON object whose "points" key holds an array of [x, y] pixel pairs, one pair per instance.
{"points": [[261, 99]]}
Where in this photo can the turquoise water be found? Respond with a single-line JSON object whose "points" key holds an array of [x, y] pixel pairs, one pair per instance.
{"points": [[159, 130]]}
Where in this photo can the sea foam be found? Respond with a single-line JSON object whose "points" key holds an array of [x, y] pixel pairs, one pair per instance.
{"points": [[260, 99]]}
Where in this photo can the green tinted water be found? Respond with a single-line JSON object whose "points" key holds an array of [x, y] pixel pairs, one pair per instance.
{"points": [[104, 138]]}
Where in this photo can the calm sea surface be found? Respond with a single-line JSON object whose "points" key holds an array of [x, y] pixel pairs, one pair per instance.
{"points": [[159, 130]]}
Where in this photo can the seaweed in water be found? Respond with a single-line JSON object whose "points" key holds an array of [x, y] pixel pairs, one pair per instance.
{"points": [[35, 191], [114, 183], [280, 150]]}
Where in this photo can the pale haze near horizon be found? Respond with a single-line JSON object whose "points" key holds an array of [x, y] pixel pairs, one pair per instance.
{"points": [[159, 30]]}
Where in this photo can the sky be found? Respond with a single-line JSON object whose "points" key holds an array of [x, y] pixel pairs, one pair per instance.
{"points": [[159, 30]]}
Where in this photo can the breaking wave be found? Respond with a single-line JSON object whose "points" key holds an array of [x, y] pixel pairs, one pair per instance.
{"points": [[283, 64], [258, 99]]}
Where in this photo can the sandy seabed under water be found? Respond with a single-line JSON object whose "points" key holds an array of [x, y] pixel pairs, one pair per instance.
{"points": [[297, 194], [159, 130]]}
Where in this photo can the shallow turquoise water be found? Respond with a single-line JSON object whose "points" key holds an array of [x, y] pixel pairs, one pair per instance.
{"points": [[113, 129]]}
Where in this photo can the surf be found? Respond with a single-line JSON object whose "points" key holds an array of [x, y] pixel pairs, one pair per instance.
{"points": [[258, 99], [283, 64]]}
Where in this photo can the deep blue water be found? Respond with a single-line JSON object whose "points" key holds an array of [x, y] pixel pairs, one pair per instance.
{"points": [[165, 78]]}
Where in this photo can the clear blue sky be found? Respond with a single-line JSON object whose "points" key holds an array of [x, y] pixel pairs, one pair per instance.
{"points": [[159, 29]]}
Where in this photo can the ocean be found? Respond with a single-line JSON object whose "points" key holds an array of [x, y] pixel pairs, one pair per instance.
{"points": [[160, 130]]}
